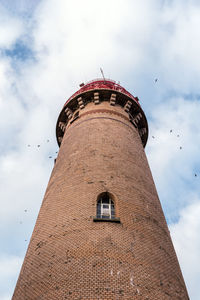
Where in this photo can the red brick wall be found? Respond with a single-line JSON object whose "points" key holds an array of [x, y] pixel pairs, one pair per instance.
{"points": [[72, 257]]}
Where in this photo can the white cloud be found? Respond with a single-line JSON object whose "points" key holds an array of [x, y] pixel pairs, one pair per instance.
{"points": [[181, 117], [174, 168], [186, 239], [182, 46], [9, 266], [11, 28], [9, 269]]}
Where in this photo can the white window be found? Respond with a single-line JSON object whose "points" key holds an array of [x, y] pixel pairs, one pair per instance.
{"points": [[105, 207]]}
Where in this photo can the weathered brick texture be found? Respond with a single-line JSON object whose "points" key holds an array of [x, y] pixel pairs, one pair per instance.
{"points": [[72, 257]]}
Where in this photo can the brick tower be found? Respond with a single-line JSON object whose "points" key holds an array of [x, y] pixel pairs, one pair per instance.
{"points": [[101, 232]]}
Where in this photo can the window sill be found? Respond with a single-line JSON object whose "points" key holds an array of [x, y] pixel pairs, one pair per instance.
{"points": [[115, 220]]}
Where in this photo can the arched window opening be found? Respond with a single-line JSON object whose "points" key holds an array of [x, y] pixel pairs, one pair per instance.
{"points": [[105, 207]]}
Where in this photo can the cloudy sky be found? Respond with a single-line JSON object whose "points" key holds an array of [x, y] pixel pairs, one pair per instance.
{"points": [[47, 48]]}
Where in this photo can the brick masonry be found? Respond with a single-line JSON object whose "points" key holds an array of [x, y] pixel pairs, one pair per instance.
{"points": [[72, 257]]}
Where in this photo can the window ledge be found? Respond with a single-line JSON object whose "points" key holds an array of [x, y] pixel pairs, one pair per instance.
{"points": [[115, 220]]}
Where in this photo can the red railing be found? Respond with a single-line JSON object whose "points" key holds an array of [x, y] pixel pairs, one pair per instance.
{"points": [[102, 84]]}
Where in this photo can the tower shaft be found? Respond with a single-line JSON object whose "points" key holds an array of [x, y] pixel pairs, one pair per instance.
{"points": [[74, 253]]}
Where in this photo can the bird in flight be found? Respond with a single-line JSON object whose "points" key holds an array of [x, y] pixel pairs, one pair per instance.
{"points": [[156, 79], [171, 131]]}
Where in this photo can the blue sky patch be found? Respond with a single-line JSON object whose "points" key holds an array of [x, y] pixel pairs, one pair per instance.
{"points": [[19, 51]]}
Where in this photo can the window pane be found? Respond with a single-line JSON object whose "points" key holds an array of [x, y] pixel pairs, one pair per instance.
{"points": [[98, 210], [105, 217], [112, 211], [105, 211], [105, 205], [105, 199]]}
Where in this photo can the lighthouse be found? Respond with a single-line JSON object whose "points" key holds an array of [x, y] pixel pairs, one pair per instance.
{"points": [[101, 232]]}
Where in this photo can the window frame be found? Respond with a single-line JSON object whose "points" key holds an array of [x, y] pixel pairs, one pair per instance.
{"points": [[101, 213]]}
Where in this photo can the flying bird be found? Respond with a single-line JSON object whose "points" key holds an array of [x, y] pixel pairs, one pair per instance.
{"points": [[180, 147], [29, 145], [50, 156], [156, 79], [170, 130], [25, 210], [195, 175], [153, 137], [178, 135], [38, 146]]}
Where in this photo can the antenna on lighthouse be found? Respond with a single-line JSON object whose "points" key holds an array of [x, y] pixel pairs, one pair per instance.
{"points": [[102, 74]]}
